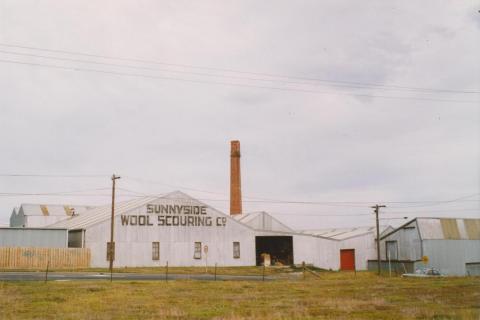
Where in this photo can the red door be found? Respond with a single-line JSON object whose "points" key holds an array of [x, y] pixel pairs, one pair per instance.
{"points": [[347, 259]]}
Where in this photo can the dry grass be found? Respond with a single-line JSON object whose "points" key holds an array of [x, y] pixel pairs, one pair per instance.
{"points": [[333, 296]]}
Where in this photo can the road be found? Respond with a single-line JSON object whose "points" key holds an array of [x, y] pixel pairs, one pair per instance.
{"points": [[67, 276]]}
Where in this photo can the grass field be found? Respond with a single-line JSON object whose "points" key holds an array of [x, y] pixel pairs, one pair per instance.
{"points": [[332, 296]]}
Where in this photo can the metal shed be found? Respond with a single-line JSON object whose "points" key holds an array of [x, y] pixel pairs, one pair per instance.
{"points": [[451, 245]]}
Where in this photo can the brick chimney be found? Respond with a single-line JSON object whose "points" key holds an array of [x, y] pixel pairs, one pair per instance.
{"points": [[235, 181]]}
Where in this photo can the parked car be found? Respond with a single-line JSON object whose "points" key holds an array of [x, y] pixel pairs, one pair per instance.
{"points": [[424, 272]]}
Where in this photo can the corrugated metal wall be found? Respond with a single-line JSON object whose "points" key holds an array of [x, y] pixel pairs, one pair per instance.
{"points": [[13, 237], [451, 256], [408, 243], [133, 243], [365, 249]]}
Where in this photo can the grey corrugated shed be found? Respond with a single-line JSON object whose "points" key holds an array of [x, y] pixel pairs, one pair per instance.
{"points": [[33, 237], [445, 228]]}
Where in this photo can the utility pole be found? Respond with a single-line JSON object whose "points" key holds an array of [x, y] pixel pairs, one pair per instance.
{"points": [[112, 224], [377, 209]]}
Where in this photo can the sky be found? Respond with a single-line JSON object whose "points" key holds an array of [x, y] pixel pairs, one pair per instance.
{"points": [[338, 105]]}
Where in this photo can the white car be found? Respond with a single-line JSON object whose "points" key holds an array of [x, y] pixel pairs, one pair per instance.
{"points": [[424, 272]]}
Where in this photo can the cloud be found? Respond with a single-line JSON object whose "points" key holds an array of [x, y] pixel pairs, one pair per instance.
{"points": [[338, 145]]}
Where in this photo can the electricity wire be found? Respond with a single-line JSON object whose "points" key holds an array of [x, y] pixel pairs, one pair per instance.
{"points": [[116, 73], [54, 175], [230, 70], [203, 74]]}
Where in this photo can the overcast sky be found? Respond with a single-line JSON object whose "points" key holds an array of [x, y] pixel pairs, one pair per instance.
{"points": [[367, 133]]}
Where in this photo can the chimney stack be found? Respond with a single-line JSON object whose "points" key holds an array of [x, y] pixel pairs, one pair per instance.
{"points": [[235, 181]]}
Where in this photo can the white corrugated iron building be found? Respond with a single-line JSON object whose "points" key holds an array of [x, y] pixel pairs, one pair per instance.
{"points": [[186, 232], [356, 245], [177, 228], [150, 231]]}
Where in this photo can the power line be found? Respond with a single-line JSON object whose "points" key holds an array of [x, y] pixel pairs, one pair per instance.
{"points": [[331, 204], [360, 214], [229, 84], [203, 74], [317, 215], [453, 210], [356, 203], [133, 193], [434, 203], [57, 193], [264, 199], [232, 70], [33, 194], [54, 175], [170, 185]]}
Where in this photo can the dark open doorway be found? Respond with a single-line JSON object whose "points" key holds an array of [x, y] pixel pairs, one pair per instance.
{"points": [[279, 248]]}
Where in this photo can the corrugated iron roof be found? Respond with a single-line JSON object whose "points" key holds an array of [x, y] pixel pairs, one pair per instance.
{"points": [[262, 221], [472, 228], [29, 209], [445, 228], [103, 213], [346, 233], [449, 228]]}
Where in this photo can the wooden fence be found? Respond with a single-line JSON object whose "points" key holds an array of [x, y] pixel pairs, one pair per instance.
{"points": [[38, 258]]}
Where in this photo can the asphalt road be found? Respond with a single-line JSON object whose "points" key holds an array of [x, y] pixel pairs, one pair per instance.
{"points": [[68, 276]]}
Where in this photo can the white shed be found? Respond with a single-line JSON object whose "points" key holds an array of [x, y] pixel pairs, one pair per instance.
{"points": [[355, 246], [175, 228], [186, 232]]}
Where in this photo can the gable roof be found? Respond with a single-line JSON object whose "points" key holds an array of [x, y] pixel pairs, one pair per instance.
{"points": [[262, 221], [444, 228], [103, 213], [30, 209], [347, 233]]}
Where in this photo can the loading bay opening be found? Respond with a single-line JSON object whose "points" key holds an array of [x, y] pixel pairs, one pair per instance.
{"points": [[279, 249]]}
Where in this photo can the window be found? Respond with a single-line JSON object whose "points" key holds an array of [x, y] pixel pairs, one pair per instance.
{"points": [[110, 250], [236, 250], [392, 250], [155, 250], [198, 250]]}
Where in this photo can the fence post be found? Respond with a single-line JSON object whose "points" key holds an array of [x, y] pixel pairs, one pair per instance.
{"points": [[166, 272], [263, 272], [46, 272], [215, 276], [303, 266]]}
